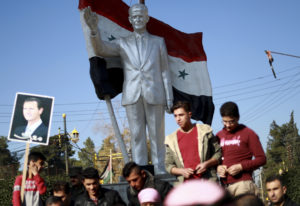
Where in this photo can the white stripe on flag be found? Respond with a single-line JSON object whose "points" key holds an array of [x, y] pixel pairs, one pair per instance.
{"points": [[193, 74]]}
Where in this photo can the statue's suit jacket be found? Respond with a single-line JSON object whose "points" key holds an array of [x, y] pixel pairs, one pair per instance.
{"points": [[146, 74]]}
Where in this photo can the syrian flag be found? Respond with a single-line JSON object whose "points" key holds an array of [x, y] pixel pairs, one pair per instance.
{"points": [[187, 59], [107, 173]]}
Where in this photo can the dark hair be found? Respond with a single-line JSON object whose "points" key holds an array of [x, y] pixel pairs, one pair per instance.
{"points": [[90, 173], [53, 200], [230, 109], [275, 177], [248, 200], [35, 156], [129, 168], [61, 186], [181, 104], [34, 99], [75, 172]]}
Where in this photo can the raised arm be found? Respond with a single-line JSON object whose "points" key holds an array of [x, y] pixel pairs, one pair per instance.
{"points": [[101, 48]]}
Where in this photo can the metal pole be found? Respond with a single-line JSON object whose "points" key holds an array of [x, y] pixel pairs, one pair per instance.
{"points": [[290, 55], [66, 144], [261, 186], [110, 162], [116, 129]]}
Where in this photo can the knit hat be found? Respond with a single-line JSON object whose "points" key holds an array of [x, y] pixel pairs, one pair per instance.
{"points": [[195, 192], [149, 195]]}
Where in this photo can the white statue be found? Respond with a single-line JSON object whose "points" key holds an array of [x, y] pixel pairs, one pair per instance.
{"points": [[147, 89]]}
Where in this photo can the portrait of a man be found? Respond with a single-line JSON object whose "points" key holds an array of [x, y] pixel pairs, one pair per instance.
{"points": [[31, 118]]}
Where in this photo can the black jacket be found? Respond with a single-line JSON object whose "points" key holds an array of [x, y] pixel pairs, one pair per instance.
{"points": [[151, 182], [288, 202], [106, 197]]}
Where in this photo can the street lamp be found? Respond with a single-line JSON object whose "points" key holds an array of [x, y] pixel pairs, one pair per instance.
{"points": [[74, 136]]}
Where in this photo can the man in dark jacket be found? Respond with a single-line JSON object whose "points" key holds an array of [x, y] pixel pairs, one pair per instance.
{"points": [[139, 179], [277, 192], [95, 195]]}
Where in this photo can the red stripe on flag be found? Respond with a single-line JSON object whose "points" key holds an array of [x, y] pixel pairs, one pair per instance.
{"points": [[179, 44]]}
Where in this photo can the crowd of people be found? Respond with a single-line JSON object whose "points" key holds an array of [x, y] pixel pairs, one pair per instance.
{"points": [[209, 170]]}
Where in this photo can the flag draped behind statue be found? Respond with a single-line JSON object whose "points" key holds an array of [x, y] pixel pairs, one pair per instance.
{"points": [[187, 59]]}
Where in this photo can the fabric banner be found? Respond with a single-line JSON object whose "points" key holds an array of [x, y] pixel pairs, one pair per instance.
{"points": [[187, 59], [107, 173]]}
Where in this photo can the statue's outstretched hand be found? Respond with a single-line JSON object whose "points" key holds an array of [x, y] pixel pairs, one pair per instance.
{"points": [[91, 19]]}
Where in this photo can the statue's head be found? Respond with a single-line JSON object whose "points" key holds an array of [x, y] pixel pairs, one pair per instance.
{"points": [[138, 17]]}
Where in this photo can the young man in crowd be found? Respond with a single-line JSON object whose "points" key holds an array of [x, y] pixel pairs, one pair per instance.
{"points": [[276, 190], [95, 194], [139, 179], [239, 145], [61, 189], [192, 151], [77, 187], [34, 185]]}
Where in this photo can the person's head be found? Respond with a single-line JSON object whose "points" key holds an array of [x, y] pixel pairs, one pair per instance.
{"points": [[36, 159], [276, 189], [91, 180], [182, 113], [138, 17], [32, 109], [230, 115], [134, 175], [149, 197], [75, 176], [54, 201], [61, 189], [248, 200]]}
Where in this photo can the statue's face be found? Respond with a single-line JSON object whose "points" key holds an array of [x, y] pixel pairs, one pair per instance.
{"points": [[138, 18]]}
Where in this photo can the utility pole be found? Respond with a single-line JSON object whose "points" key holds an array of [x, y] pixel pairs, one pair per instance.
{"points": [[261, 185], [66, 144]]}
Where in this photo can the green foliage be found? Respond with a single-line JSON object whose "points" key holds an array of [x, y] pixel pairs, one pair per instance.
{"points": [[9, 162], [55, 154], [6, 190], [283, 155], [86, 155]]}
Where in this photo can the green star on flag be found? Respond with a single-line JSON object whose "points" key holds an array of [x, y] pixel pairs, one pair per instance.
{"points": [[182, 74]]}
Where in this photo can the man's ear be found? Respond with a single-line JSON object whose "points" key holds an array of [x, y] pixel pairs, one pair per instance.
{"points": [[41, 110], [129, 18], [143, 173], [284, 189]]}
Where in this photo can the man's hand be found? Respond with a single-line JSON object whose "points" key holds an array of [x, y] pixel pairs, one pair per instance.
{"points": [[169, 106], [91, 19], [221, 170], [185, 172], [235, 169], [34, 169], [200, 168]]}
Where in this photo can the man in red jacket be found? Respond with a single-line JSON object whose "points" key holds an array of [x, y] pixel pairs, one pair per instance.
{"points": [[239, 145], [34, 186]]}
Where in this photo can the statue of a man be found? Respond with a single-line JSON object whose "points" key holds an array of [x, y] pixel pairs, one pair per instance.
{"points": [[147, 89]]}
